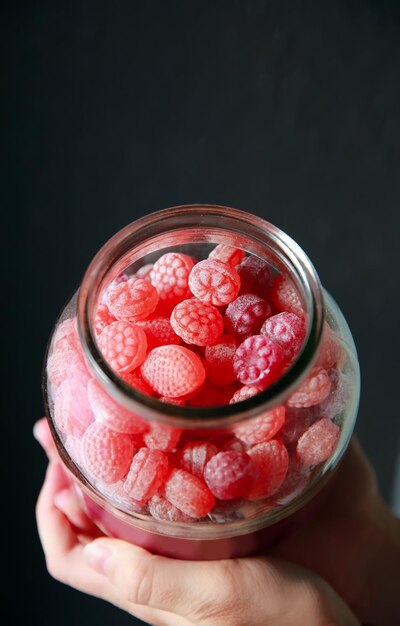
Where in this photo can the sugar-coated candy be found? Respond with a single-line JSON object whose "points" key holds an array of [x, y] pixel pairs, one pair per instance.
{"points": [[228, 254], [103, 318], [296, 480], [106, 454], [245, 315], [258, 361], [318, 442], [297, 420], [145, 272], [147, 473], [272, 461], [244, 393], [164, 511], [176, 401], [195, 456], [118, 495], [66, 335], [288, 330], [136, 380], [331, 352], [123, 345], [170, 276], [67, 363], [313, 390], [197, 322], [188, 493], [214, 282], [219, 360], [111, 414], [159, 332], [255, 276], [133, 300], [173, 371], [261, 428], [230, 474], [285, 296], [72, 411], [162, 437]]}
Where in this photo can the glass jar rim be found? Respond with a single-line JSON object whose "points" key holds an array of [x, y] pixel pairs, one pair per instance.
{"points": [[198, 217]]}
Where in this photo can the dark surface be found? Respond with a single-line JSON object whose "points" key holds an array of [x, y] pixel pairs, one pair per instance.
{"points": [[286, 109]]}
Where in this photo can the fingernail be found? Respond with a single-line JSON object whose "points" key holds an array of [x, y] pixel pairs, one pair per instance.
{"points": [[98, 557], [37, 431]]}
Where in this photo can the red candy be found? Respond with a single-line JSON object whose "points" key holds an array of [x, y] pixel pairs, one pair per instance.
{"points": [[261, 428], [296, 480], [314, 390], [214, 282], [288, 330], [162, 437], [318, 442], [195, 456], [244, 393], [147, 473], [197, 322], [219, 360], [164, 511], [144, 272], [103, 318], [111, 414], [123, 346], [272, 461], [188, 493], [173, 371], [230, 475], [135, 380], [212, 395], [107, 455], [170, 276], [244, 316], [159, 332], [133, 300], [228, 254], [285, 297], [331, 353], [176, 401], [72, 411], [258, 361], [255, 276]]}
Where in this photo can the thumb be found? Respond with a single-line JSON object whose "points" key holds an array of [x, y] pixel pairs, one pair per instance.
{"points": [[260, 591]]}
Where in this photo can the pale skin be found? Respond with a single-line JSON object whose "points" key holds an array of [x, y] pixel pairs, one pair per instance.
{"points": [[341, 569]]}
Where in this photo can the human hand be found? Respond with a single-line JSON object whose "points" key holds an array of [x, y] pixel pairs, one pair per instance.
{"points": [[204, 593]]}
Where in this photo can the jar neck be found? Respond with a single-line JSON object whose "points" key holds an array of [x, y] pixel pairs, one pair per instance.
{"points": [[200, 225]]}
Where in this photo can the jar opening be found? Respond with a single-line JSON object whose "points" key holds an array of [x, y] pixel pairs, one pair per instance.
{"points": [[195, 230]]}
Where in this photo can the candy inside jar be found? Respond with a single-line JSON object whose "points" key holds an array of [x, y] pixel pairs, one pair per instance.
{"points": [[190, 334]]}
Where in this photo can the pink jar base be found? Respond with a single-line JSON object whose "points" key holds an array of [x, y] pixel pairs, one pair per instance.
{"points": [[201, 549]]}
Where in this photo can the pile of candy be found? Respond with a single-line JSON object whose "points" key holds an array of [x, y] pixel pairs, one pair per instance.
{"points": [[204, 333]]}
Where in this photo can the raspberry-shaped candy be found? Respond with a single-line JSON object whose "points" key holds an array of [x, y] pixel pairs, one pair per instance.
{"points": [[170, 276], [255, 276], [244, 316], [107, 455], [331, 352], [288, 330], [66, 336], [296, 423], [230, 475], [73, 446], [162, 437], [161, 509], [135, 380], [219, 360], [314, 390], [214, 282], [244, 393], [72, 411], [144, 272], [66, 363], [285, 297], [272, 461], [261, 428], [103, 318], [147, 473], [159, 332], [175, 401], [258, 361], [318, 442], [133, 300], [296, 480], [197, 322], [188, 493], [227, 254], [123, 346], [173, 371], [117, 494], [195, 456], [111, 414]]}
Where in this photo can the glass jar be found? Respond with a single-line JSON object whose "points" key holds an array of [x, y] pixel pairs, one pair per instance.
{"points": [[234, 526]]}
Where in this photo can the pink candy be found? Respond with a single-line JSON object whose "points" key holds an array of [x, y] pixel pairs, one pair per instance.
{"points": [[133, 300], [244, 316], [261, 428], [188, 493], [170, 276], [123, 345], [197, 322], [173, 371], [314, 390], [214, 282], [318, 442], [147, 473], [258, 361], [111, 414], [107, 455]]}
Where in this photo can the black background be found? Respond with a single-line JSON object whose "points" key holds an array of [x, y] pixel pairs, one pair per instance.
{"points": [[111, 110]]}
